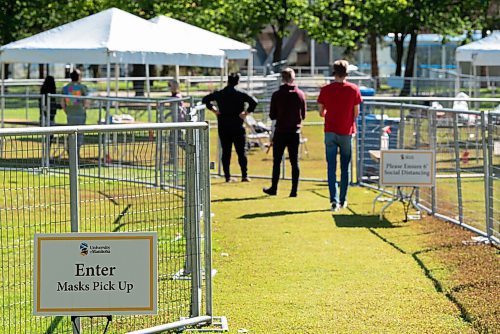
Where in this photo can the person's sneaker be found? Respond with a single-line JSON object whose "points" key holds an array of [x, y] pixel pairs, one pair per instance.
{"points": [[293, 194], [343, 205], [334, 207], [230, 179], [245, 179], [270, 191]]}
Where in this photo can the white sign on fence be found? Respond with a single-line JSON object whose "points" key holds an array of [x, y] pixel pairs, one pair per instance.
{"points": [[412, 168], [95, 274]]}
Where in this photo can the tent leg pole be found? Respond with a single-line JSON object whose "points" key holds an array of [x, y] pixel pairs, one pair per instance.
{"points": [[117, 73], [177, 73], [108, 79], [2, 91], [250, 72], [222, 69], [148, 92]]}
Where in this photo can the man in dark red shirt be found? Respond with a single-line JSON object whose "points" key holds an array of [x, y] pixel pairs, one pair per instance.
{"points": [[339, 105], [288, 109]]}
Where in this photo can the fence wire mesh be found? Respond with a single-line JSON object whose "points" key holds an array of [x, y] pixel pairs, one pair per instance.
{"points": [[465, 175], [128, 180]]}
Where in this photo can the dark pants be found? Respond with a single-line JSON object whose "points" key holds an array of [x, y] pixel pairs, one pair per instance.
{"points": [[280, 142], [229, 136]]}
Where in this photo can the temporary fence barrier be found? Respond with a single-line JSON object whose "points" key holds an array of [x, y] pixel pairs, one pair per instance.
{"points": [[49, 187]]}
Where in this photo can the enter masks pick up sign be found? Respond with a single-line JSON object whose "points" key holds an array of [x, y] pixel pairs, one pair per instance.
{"points": [[95, 274]]}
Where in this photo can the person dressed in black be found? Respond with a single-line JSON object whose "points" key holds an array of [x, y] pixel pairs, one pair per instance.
{"points": [[288, 109], [48, 87], [231, 113]]}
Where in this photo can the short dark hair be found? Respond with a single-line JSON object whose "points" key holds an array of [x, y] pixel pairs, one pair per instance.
{"points": [[75, 75], [233, 79], [340, 68]]}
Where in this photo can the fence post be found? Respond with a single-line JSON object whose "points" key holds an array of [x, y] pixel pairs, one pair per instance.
{"points": [[361, 151], [207, 218], [417, 144], [401, 144], [173, 147], [457, 167], [486, 170], [100, 147], [161, 158], [44, 119], [193, 261], [432, 145], [491, 145], [74, 196]]}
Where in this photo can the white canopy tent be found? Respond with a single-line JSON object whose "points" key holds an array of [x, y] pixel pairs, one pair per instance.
{"points": [[484, 52], [233, 49], [111, 36]]}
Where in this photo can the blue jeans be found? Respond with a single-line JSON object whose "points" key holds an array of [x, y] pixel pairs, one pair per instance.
{"points": [[333, 144]]}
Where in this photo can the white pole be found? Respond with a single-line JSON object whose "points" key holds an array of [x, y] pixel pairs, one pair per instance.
{"points": [[313, 56], [117, 73], [108, 89], [2, 90], [108, 78], [148, 93], [222, 70], [250, 72], [177, 73]]}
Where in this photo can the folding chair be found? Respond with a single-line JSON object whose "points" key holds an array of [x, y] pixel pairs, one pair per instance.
{"points": [[258, 133], [303, 146]]}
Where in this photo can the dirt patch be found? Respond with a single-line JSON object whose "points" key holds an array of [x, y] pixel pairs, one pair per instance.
{"points": [[472, 272]]}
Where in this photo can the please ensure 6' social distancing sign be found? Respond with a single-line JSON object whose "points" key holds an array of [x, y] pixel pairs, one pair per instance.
{"points": [[95, 274], [411, 168]]}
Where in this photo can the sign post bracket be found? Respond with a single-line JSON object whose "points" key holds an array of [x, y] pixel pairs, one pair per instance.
{"points": [[75, 322]]}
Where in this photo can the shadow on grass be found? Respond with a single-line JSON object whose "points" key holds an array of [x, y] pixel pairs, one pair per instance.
{"points": [[239, 199], [360, 221], [278, 213], [317, 193], [464, 314]]}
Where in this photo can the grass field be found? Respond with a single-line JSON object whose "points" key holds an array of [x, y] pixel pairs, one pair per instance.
{"points": [[289, 265]]}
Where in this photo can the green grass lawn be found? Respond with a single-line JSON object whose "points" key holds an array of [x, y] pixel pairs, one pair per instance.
{"points": [[289, 265]]}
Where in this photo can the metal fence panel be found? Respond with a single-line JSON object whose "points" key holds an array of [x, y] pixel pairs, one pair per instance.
{"points": [[138, 185]]}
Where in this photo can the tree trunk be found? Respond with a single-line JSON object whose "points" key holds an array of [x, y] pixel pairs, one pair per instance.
{"points": [[278, 46], [410, 62], [399, 41], [482, 69], [41, 71], [372, 38], [95, 70]]}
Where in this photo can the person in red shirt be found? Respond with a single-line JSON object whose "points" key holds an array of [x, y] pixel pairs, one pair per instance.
{"points": [[339, 105], [288, 109]]}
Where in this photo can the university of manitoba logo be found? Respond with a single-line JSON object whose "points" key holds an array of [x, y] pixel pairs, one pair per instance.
{"points": [[84, 249]]}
